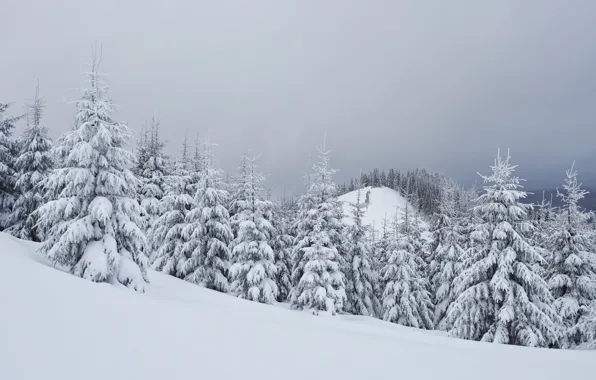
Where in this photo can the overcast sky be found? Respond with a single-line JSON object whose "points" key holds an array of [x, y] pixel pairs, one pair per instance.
{"points": [[433, 84]]}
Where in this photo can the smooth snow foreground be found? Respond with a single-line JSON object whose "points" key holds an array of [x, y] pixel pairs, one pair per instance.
{"points": [[56, 326]]}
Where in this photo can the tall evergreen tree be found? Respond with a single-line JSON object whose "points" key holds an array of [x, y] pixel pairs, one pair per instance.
{"points": [[360, 277], [501, 298], [196, 165], [573, 270], [253, 271], [32, 168], [155, 171], [169, 226], [93, 217], [208, 233], [282, 244], [380, 249], [141, 156], [406, 299], [542, 231], [448, 252], [320, 283], [241, 189], [8, 152]]}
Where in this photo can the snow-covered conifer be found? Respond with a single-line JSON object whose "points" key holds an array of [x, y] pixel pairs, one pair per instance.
{"points": [[320, 283], [196, 164], [282, 245], [208, 233], [380, 249], [240, 189], [501, 298], [573, 269], [169, 226], [406, 299], [8, 152], [155, 170], [448, 252], [32, 168], [541, 235], [141, 156], [360, 277], [253, 271], [93, 216]]}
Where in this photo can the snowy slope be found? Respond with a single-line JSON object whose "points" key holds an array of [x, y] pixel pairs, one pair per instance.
{"points": [[383, 203], [56, 326]]}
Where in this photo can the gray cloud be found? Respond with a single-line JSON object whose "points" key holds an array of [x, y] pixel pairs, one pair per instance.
{"points": [[430, 84]]}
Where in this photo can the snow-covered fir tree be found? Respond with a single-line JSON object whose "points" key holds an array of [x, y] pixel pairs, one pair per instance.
{"points": [[380, 248], [303, 224], [446, 259], [586, 329], [153, 175], [253, 270], [32, 168], [208, 233], [238, 195], [542, 231], [168, 228], [573, 268], [282, 245], [441, 220], [317, 271], [94, 215], [406, 299], [360, 277], [8, 152], [141, 157], [196, 165], [501, 298]]}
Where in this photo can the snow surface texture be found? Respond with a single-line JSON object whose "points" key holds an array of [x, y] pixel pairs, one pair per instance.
{"points": [[383, 204], [56, 326]]}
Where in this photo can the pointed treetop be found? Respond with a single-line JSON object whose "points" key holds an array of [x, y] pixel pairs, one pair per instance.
{"points": [[36, 107]]}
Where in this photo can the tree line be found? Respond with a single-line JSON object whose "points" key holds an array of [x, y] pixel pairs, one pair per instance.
{"points": [[489, 267]]}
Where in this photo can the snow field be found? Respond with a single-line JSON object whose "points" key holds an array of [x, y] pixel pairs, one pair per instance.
{"points": [[58, 326]]}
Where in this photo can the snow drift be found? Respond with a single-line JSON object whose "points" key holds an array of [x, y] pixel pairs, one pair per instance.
{"points": [[383, 204], [57, 326]]}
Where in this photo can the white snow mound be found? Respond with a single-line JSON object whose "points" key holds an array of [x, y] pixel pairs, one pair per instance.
{"points": [[55, 326], [384, 203]]}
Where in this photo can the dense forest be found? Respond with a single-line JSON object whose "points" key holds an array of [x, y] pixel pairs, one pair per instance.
{"points": [[495, 268]]}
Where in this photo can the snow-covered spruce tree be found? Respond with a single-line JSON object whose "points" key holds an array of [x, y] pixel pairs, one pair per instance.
{"points": [[586, 327], [303, 224], [32, 168], [240, 190], [141, 156], [168, 228], [320, 282], [360, 277], [501, 298], [93, 218], [542, 231], [8, 152], [196, 165], [208, 233], [155, 171], [406, 299], [448, 252], [282, 245], [438, 222], [573, 269], [380, 249], [253, 271]]}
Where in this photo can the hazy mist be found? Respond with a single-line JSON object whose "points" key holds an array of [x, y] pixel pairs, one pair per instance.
{"points": [[432, 84]]}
